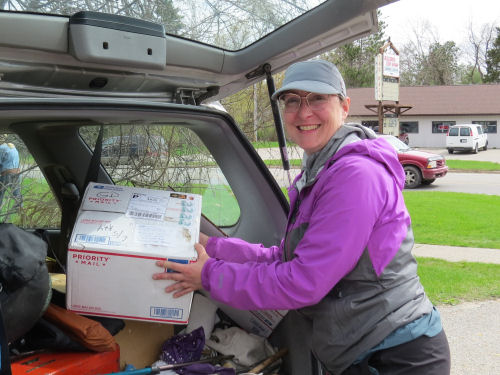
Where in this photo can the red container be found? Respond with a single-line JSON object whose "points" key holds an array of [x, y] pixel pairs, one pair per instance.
{"points": [[67, 363]]}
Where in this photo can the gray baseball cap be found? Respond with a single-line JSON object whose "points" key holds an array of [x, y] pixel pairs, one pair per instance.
{"points": [[319, 76]]}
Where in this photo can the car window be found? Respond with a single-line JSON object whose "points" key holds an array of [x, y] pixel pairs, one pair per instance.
{"points": [[397, 144], [453, 132], [465, 132], [26, 199], [479, 129], [166, 157], [203, 21]]}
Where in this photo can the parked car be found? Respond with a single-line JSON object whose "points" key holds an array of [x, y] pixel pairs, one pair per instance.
{"points": [[420, 167], [403, 135], [137, 148], [466, 137], [72, 78]]}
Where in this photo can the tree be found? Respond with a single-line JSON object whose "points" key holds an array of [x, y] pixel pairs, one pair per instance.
{"points": [[440, 66], [493, 61], [426, 61], [356, 60], [477, 48]]}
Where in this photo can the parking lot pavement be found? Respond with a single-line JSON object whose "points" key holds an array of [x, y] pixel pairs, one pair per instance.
{"points": [[457, 254]]}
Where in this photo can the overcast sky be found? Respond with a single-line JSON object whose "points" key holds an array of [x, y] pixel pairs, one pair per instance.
{"points": [[449, 18]]}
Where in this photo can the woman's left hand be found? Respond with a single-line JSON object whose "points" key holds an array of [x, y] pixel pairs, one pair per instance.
{"points": [[187, 276]]}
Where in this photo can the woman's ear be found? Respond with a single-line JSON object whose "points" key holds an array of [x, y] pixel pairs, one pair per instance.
{"points": [[346, 103]]}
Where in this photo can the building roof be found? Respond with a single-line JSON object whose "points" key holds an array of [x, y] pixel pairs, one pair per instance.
{"points": [[433, 100]]}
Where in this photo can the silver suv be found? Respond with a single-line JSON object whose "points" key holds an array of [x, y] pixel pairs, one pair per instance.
{"points": [[72, 78]]}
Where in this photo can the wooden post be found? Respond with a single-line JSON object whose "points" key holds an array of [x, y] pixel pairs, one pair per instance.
{"points": [[380, 113]]}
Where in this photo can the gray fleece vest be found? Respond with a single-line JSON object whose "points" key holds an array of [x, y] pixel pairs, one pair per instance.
{"points": [[363, 308]]}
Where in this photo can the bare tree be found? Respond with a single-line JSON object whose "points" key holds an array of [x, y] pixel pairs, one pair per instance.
{"points": [[477, 47], [414, 51]]}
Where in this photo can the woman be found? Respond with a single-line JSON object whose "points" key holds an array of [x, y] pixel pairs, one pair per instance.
{"points": [[345, 262]]}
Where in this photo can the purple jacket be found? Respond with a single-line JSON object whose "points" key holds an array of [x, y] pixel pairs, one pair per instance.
{"points": [[355, 204]]}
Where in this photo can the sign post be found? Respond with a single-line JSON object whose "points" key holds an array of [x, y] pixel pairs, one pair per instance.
{"points": [[387, 88]]}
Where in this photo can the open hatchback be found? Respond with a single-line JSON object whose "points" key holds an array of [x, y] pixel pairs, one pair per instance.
{"points": [[74, 80]]}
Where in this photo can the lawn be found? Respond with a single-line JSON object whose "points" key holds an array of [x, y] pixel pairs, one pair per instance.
{"points": [[455, 219], [472, 165], [453, 282]]}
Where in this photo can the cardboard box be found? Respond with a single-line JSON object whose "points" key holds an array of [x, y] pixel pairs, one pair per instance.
{"points": [[74, 363], [119, 234]]}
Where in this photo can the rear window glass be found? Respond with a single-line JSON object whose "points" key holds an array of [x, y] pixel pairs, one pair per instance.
{"points": [[464, 132], [26, 199], [166, 157], [453, 132]]}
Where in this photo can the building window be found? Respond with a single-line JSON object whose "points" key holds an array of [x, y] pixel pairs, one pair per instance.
{"points": [[488, 126], [408, 126], [442, 127]]}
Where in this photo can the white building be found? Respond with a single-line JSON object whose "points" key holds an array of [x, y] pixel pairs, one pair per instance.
{"points": [[434, 109]]}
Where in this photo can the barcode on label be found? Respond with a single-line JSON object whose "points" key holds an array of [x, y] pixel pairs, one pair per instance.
{"points": [[89, 238], [165, 312], [146, 215]]}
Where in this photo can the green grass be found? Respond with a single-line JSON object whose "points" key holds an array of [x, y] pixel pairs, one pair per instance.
{"points": [[220, 205], [454, 282], [279, 163], [455, 219], [264, 144], [473, 165]]}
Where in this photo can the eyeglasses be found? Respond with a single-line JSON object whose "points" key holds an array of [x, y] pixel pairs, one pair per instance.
{"points": [[291, 102]]}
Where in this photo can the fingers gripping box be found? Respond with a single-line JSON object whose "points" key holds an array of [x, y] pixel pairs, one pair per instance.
{"points": [[119, 234]]}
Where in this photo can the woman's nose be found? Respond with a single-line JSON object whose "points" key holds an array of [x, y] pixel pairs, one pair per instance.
{"points": [[304, 109]]}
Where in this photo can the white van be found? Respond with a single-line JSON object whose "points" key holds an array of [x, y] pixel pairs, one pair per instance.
{"points": [[466, 137]]}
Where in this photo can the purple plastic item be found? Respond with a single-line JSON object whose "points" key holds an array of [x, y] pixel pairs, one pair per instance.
{"points": [[183, 348]]}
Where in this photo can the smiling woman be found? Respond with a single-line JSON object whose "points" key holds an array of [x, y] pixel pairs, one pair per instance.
{"points": [[346, 250]]}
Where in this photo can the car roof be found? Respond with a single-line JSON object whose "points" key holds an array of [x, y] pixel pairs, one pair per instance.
{"points": [[102, 55]]}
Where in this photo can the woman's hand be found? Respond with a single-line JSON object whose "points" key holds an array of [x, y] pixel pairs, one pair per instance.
{"points": [[187, 276]]}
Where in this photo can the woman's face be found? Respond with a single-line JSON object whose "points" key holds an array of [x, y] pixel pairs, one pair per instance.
{"points": [[312, 129]]}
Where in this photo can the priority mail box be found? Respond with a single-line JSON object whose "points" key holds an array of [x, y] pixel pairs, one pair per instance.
{"points": [[120, 233]]}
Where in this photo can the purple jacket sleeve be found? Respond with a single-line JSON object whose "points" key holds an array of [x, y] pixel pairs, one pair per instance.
{"points": [[239, 251], [345, 215]]}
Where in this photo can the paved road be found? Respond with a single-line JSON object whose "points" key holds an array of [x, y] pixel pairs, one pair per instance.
{"points": [[473, 183]]}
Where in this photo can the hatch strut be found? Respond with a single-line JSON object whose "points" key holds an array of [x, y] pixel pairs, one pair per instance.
{"points": [[280, 132]]}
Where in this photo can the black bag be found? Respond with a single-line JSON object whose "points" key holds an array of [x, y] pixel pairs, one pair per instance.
{"points": [[25, 288]]}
